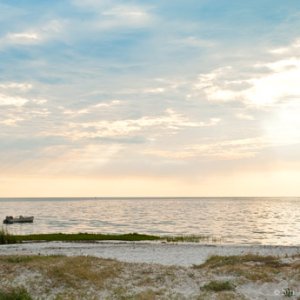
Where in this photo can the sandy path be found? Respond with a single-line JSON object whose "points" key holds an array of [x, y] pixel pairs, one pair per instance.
{"points": [[165, 254]]}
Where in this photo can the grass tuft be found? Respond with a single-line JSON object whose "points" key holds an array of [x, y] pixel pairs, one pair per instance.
{"points": [[6, 237], [81, 270], [252, 267], [15, 294], [221, 261], [288, 293], [218, 286], [186, 238]]}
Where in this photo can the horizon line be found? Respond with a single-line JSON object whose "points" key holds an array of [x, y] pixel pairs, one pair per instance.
{"points": [[138, 197]]}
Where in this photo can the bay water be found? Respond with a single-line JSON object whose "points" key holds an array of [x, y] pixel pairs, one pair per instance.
{"points": [[266, 221]]}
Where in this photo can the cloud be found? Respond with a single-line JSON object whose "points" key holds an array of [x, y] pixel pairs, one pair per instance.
{"points": [[6, 100], [170, 122], [87, 157], [90, 109], [113, 15], [225, 150], [23, 38], [34, 35], [17, 94], [11, 121], [237, 149], [133, 13], [19, 106], [16, 85], [244, 116], [279, 84], [287, 50]]}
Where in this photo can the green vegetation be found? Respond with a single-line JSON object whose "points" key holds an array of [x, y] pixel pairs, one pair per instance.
{"points": [[221, 261], [249, 267], [6, 238], [85, 277], [93, 237], [15, 294], [219, 286], [186, 238], [78, 237], [288, 292], [71, 272], [23, 259]]}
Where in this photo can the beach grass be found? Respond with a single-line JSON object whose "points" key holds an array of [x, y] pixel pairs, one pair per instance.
{"points": [[15, 294], [186, 238], [86, 277], [89, 237], [94, 237], [6, 237], [221, 261], [218, 286], [252, 267]]}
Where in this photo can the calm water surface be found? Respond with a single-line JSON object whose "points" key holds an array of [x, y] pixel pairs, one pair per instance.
{"points": [[270, 221]]}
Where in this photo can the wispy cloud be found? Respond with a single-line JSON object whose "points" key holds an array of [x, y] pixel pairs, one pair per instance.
{"points": [[225, 150], [6, 100], [228, 150], [15, 85], [279, 83], [34, 35], [23, 38], [110, 15], [170, 122], [90, 109]]}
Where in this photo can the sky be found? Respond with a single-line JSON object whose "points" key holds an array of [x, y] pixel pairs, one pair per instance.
{"points": [[149, 98]]}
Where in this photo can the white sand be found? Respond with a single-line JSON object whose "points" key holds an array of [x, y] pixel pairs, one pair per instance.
{"points": [[148, 272], [141, 252]]}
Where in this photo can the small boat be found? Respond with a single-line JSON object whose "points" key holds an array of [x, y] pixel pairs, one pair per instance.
{"points": [[20, 219]]}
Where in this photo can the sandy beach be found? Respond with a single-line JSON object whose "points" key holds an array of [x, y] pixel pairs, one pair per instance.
{"points": [[180, 254], [123, 270]]}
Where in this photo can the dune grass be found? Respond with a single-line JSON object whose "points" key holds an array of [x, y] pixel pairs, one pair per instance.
{"points": [[86, 277], [252, 267], [221, 261], [218, 286], [15, 294]]}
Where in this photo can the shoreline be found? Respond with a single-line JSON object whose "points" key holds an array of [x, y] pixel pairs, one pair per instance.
{"points": [[177, 254]]}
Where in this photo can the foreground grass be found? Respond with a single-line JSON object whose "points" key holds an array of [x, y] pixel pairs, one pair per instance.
{"points": [[61, 277], [221, 261], [6, 238], [250, 266], [218, 286], [15, 294]]}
